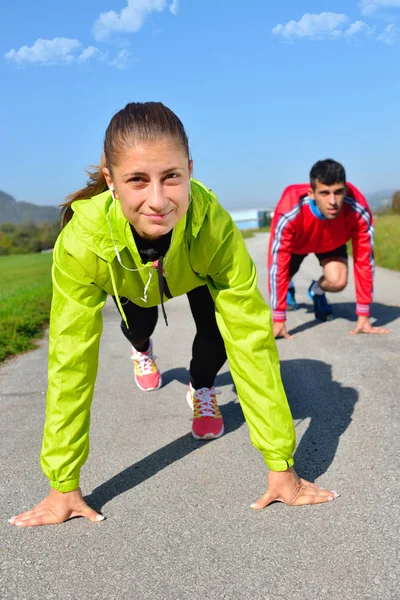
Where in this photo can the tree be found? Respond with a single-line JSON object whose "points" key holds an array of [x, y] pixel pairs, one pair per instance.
{"points": [[396, 201], [5, 243]]}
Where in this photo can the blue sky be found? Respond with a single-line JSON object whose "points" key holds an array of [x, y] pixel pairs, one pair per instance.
{"points": [[263, 88]]}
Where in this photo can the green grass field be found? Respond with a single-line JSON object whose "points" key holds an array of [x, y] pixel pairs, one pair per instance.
{"points": [[25, 296], [248, 233], [387, 240]]}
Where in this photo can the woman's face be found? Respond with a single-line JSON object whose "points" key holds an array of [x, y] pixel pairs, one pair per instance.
{"points": [[151, 181]]}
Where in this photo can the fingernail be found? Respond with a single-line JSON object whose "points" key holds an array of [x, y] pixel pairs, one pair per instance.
{"points": [[11, 520], [335, 494], [100, 518], [330, 498], [253, 505], [18, 524]]}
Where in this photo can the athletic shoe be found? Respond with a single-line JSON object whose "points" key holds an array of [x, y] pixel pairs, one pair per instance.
{"points": [[291, 299], [322, 310], [147, 375], [207, 421]]}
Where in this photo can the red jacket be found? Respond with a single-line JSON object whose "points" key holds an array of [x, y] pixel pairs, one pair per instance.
{"points": [[298, 228]]}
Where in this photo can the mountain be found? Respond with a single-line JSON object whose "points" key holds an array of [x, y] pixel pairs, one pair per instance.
{"points": [[12, 211]]}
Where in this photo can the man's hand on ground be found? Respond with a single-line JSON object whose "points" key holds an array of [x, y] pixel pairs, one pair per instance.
{"points": [[364, 326], [281, 331], [287, 487]]}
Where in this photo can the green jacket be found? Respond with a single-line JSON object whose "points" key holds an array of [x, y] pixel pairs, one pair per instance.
{"points": [[206, 248]]}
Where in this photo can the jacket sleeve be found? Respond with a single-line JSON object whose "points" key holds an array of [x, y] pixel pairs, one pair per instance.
{"points": [[279, 255], [244, 320], [75, 330], [362, 235]]}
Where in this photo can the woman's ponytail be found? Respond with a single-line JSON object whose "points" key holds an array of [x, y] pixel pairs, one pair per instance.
{"points": [[96, 185]]}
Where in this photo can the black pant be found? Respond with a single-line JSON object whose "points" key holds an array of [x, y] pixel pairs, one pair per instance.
{"points": [[208, 352], [297, 259]]}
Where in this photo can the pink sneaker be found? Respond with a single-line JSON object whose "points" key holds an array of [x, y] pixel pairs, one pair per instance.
{"points": [[207, 421], [147, 375]]}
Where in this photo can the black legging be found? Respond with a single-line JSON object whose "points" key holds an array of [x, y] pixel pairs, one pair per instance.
{"points": [[208, 351]]}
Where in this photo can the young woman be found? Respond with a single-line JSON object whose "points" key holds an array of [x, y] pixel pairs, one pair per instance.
{"points": [[143, 232]]}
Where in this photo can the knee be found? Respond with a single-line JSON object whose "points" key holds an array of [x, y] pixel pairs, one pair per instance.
{"points": [[338, 284]]}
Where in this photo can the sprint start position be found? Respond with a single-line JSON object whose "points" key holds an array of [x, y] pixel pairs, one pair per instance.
{"points": [[321, 217], [142, 231]]}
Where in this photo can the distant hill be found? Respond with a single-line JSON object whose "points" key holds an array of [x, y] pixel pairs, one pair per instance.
{"points": [[12, 211]]}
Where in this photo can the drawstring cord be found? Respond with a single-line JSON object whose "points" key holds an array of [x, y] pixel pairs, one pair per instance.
{"points": [[158, 264], [163, 289]]}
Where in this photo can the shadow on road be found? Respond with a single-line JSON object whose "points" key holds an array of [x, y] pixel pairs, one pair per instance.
{"points": [[159, 460], [182, 375], [381, 314], [313, 394]]}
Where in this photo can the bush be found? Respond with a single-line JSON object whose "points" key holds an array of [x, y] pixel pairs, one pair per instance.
{"points": [[27, 238]]}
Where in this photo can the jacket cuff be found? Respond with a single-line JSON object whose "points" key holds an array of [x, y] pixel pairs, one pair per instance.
{"points": [[279, 316], [65, 486], [363, 310], [279, 465]]}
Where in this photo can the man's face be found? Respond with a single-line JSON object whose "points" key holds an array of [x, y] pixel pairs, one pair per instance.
{"points": [[328, 198]]}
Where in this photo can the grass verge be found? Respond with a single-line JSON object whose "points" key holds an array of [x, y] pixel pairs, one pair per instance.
{"points": [[249, 233], [387, 240], [25, 297]]}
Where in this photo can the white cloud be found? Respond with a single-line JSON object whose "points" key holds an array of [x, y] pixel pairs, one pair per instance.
{"points": [[326, 25], [368, 7], [131, 18], [390, 34], [332, 26], [121, 61], [90, 52], [173, 8], [359, 27], [64, 51], [46, 52]]}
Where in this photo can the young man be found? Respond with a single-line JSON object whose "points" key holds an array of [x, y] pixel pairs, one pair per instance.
{"points": [[320, 218]]}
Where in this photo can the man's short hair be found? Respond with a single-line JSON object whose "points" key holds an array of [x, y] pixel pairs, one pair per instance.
{"points": [[327, 172]]}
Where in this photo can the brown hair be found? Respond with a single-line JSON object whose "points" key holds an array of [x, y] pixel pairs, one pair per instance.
{"points": [[138, 121]]}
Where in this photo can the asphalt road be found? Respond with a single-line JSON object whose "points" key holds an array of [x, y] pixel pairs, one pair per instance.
{"points": [[178, 520]]}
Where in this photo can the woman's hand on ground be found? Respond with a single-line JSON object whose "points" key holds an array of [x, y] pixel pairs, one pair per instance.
{"points": [[287, 487], [364, 326], [56, 508], [281, 331]]}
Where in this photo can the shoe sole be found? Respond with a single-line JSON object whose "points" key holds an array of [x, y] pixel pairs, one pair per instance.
{"points": [[153, 389], [209, 436]]}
